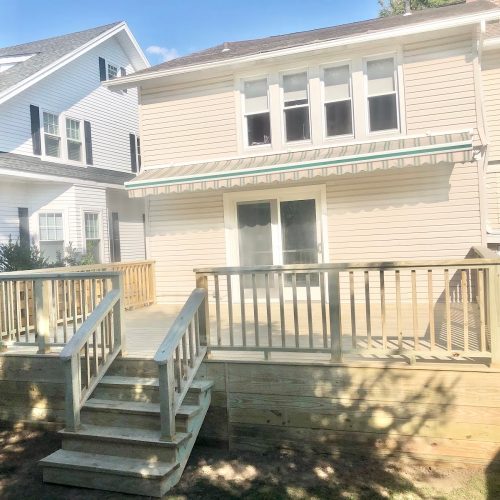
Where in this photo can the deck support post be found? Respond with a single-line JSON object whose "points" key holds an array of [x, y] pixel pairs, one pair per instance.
{"points": [[335, 318], [119, 314], [73, 384], [204, 313], [46, 318], [167, 390], [494, 313]]}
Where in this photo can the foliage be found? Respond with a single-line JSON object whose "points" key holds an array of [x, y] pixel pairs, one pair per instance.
{"points": [[17, 257], [395, 7], [74, 257]]}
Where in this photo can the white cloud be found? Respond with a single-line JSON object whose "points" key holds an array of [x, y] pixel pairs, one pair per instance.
{"points": [[162, 53]]}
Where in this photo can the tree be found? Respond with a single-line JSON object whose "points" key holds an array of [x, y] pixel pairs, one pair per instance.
{"points": [[395, 7]]}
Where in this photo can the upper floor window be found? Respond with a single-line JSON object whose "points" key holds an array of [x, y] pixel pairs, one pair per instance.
{"points": [[51, 133], [382, 95], [112, 71], [257, 115], [338, 101], [296, 107], [74, 139]]}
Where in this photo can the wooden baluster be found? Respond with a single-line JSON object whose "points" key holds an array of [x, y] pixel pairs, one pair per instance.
{"points": [[255, 310], [191, 344], [178, 369], [352, 300], [26, 310], [430, 296], [382, 309], [482, 312], [242, 305], [103, 339], [414, 306], [74, 304], [448, 311], [217, 309], [465, 305], [55, 301], [95, 352], [18, 311], [197, 333], [280, 278], [268, 314], [230, 308], [83, 300], [309, 310], [184, 355], [398, 310], [295, 309], [368, 310], [65, 312], [335, 317], [87, 363]]}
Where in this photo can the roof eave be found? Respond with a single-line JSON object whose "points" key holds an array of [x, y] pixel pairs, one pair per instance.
{"points": [[422, 27]]}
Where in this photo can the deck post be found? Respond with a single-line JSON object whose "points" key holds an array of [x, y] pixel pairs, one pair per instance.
{"points": [[335, 319], [204, 313], [72, 376], [46, 318], [494, 313], [117, 283], [167, 402]]}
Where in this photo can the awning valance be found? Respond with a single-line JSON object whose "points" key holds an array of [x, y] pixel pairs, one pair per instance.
{"points": [[453, 147]]}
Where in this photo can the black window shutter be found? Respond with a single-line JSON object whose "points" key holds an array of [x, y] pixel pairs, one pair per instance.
{"points": [[102, 69], [133, 153], [36, 140], [115, 238], [24, 227], [123, 72], [88, 143]]}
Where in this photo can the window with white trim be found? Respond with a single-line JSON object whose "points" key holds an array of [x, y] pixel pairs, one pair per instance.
{"points": [[93, 235], [74, 139], [338, 101], [257, 114], [382, 94], [112, 71], [51, 235], [51, 134], [296, 107]]}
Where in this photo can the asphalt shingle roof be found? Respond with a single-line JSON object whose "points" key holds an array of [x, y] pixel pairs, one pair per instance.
{"points": [[45, 52], [272, 43], [30, 164]]}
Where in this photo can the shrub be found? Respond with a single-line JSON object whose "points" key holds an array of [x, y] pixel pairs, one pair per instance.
{"points": [[17, 257]]}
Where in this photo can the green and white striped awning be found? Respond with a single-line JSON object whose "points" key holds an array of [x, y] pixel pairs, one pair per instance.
{"points": [[453, 147]]}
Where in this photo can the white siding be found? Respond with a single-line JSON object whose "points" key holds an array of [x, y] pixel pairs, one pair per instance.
{"points": [[493, 199], [491, 100], [76, 91], [187, 123]]}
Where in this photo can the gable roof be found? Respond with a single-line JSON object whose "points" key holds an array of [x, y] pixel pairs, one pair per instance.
{"points": [[46, 54], [228, 52]]}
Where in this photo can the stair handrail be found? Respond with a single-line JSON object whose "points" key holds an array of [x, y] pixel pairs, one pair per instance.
{"points": [[106, 321], [179, 357]]}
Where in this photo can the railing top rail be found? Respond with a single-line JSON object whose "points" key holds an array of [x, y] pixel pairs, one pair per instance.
{"points": [[347, 266], [30, 275], [95, 317], [176, 331], [95, 267]]}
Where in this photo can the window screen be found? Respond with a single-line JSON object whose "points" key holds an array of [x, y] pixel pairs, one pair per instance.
{"points": [[382, 95], [258, 121], [52, 138], [296, 105], [338, 105]]}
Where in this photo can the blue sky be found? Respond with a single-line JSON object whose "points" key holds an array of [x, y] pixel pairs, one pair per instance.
{"points": [[177, 27]]}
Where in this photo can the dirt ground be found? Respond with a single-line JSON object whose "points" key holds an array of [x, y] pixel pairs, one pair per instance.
{"points": [[218, 474]]}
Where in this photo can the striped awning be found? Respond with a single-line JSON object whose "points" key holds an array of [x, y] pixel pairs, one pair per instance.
{"points": [[453, 147]]}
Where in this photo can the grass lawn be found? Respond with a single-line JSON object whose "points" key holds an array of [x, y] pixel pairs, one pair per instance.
{"points": [[218, 474]]}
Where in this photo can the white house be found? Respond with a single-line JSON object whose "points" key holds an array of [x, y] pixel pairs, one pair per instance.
{"points": [[68, 144]]}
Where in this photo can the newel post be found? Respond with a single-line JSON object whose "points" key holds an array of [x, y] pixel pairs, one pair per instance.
{"points": [[494, 313], [335, 319], [117, 283], [73, 385], [167, 390], [204, 312], [46, 317]]}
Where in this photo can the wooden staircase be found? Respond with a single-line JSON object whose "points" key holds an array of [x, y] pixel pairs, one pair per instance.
{"points": [[118, 446]]}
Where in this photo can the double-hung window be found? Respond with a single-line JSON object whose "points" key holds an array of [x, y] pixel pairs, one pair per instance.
{"points": [[51, 134], [296, 107], [382, 94], [338, 101], [51, 235], [112, 71], [93, 235], [257, 115], [74, 139]]}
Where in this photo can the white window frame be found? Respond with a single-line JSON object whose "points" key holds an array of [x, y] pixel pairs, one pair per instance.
{"points": [[336, 138], [282, 107], [113, 65], [397, 92], [246, 145], [61, 135], [66, 139], [64, 226], [100, 230]]}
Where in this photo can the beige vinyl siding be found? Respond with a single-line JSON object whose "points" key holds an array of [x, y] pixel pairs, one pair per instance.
{"points": [[439, 85], [493, 199], [411, 213], [491, 100], [188, 122]]}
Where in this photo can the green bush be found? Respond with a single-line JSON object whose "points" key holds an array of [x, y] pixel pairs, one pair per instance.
{"points": [[73, 257], [17, 257]]}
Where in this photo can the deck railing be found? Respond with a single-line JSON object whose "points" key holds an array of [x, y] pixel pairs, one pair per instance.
{"points": [[57, 300], [179, 357], [415, 309]]}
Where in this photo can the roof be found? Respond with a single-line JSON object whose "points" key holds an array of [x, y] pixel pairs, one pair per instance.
{"points": [[45, 53], [303, 165], [30, 164], [229, 51]]}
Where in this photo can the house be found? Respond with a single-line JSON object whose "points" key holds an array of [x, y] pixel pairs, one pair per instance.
{"points": [[370, 141], [67, 145]]}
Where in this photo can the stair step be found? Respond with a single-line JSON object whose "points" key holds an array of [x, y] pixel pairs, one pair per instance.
{"points": [[122, 466]]}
